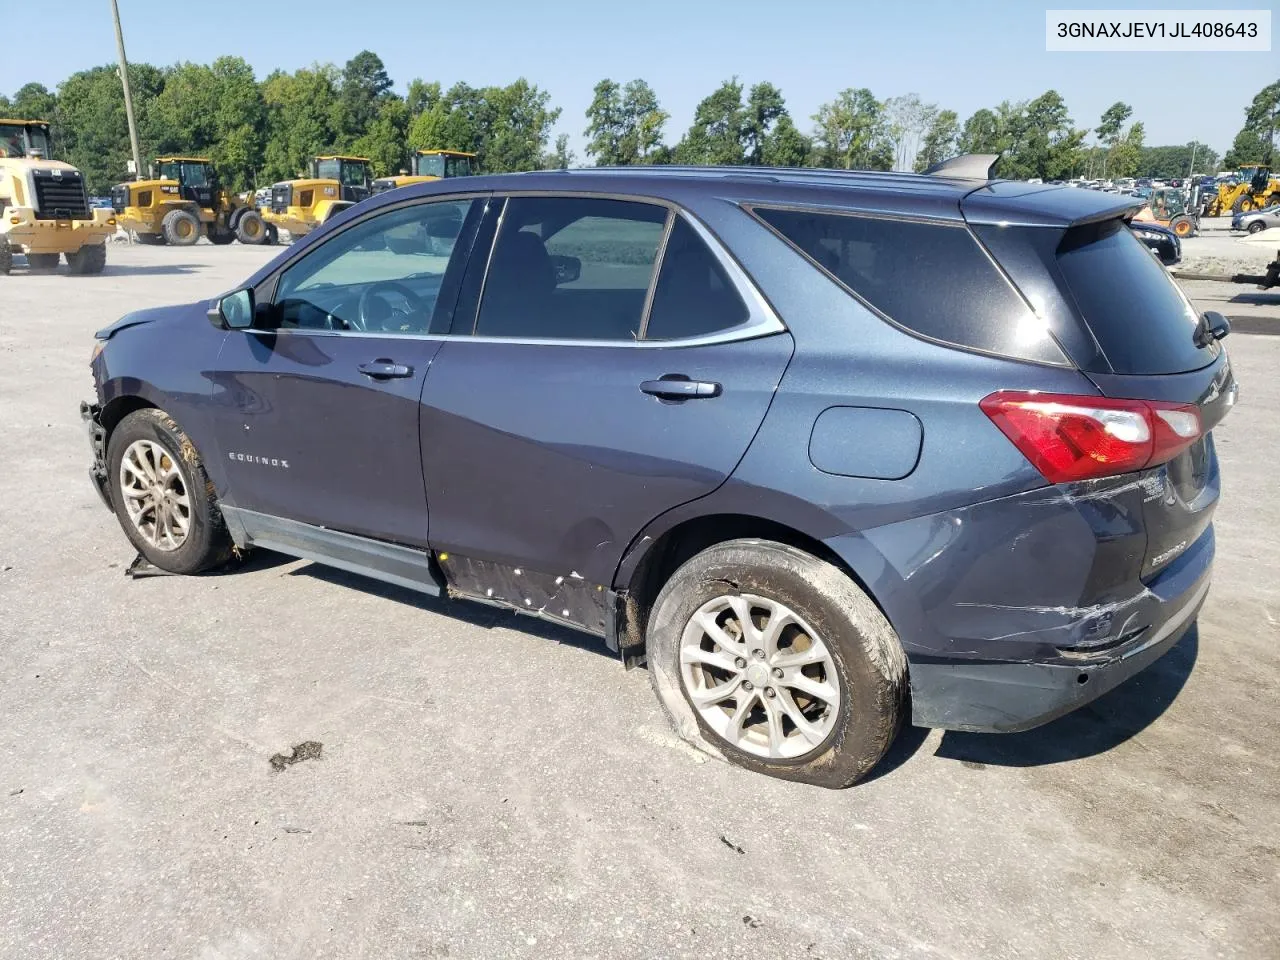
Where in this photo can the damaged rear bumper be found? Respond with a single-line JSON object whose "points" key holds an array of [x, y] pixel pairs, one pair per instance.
{"points": [[1006, 697], [90, 413]]}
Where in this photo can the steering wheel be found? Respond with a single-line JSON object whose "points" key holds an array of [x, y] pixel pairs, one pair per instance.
{"points": [[372, 312]]}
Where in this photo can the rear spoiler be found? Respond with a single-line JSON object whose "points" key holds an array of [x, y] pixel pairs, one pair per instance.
{"points": [[1009, 203]]}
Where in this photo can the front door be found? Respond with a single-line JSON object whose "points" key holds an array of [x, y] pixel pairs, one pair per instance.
{"points": [[317, 407], [587, 400]]}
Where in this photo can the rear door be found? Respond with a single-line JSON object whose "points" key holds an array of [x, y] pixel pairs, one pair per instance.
{"points": [[601, 384]]}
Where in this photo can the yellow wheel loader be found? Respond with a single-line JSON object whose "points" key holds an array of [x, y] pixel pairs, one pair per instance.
{"points": [[1255, 189], [184, 203], [335, 183], [430, 165], [44, 210]]}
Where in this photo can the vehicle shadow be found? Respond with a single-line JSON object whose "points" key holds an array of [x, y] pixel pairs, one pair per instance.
{"points": [[143, 270], [475, 614], [1105, 723]]}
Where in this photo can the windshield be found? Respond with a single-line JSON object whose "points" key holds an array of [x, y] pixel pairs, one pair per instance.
{"points": [[327, 169], [19, 140], [443, 165], [188, 174], [354, 174]]}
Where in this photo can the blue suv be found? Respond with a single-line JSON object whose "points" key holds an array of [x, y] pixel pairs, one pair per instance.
{"points": [[830, 451]]}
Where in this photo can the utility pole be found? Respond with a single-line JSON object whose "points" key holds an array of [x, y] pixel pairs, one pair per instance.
{"points": [[1192, 172], [128, 98]]}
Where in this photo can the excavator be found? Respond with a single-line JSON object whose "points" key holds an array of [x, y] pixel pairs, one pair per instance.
{"points": [[44, 209]]}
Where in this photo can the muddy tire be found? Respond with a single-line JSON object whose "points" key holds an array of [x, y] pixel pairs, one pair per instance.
{"points": [[42, 262], [220, 238], [251, 229], [1242, 205], [817, 688], [150, 239], [163, 479], [273, 235], [1182, 227], [181, 228], [89, 259], [6, 256]]}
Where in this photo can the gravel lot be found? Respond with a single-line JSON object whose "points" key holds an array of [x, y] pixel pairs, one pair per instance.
{"points": [[493, 787]]}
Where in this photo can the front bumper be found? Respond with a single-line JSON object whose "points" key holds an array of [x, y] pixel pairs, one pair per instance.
{"points": [[90, 413], [1006, 697], [57, 236]]}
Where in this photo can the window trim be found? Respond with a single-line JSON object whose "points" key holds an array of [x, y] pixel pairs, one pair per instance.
{"points": [[957, 224], [762, 319]]}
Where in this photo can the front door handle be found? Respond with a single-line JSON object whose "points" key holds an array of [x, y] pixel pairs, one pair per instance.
{"points": [[383, 369], [675, 386]]}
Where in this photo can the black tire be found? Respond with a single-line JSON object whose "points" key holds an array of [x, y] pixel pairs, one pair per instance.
{"points": [[6, 256], [870, 666], [207, 544], [273, 235], [181, 228], [251, 229], [1256, 227], [89, 259], [1242, 205], [42, 262], [151, 239], [220, 238]]}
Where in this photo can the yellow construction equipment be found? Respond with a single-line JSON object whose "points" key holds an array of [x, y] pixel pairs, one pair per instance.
{"points": [[1256, 188], [335, 183], [430, 165], [44, 210], [184, 203]]}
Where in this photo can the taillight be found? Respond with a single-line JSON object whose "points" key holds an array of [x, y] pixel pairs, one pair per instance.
{"points": [[1068, 437]]}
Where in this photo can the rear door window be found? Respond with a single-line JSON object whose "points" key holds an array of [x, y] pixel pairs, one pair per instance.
{"points": [[930, 277], [1142, 321], [571, 268], [694, 296]]}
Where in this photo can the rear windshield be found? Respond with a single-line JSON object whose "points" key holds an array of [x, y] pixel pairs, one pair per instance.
{"points": [[931, 278], [1141, 320]]}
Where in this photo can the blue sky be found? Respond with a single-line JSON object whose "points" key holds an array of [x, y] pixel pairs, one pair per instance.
{"points": [[962, 55]]}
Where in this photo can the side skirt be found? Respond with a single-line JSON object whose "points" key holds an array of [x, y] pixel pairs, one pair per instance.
{"points": [[402, 566]]}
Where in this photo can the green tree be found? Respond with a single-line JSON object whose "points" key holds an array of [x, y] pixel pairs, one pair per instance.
{"points": [[34, 102], [1039, 139], [302, 119], [981, 133], [939, 140], [785, 146], [383, 140], [1125, 157], [90, 130], [561, 158], [422, 96], [1256, 141], [908, 119], [506, 127], [1175, 161], [364, 85], [1112, 123], [624, 123], [851, 132], [718, 133]]}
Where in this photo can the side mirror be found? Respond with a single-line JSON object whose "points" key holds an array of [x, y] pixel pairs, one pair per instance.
{"points": [[233, 312], [1212, 326], [568, 269]]}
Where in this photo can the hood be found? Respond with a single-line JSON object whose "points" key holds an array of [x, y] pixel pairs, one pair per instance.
{"points": [[151, 315], [30, 163]]}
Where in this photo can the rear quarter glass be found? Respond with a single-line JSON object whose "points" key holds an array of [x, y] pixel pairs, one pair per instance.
{"points": [[931, 278]]}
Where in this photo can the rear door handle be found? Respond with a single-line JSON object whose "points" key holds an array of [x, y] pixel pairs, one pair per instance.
{"points": [[383, 369], [679, 387]]}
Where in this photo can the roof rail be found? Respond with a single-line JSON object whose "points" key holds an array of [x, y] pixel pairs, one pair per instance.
{"points": [[967, 166]]}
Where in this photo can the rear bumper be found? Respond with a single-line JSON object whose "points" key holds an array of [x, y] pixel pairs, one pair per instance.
{"points": [[90, 414], [1006, 697]]}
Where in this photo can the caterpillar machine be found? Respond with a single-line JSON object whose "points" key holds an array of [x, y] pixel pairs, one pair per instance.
{"points": [[44, 209], [1170, 207], [334, 184], [1256, 188], [430, 165], [184, 203]]}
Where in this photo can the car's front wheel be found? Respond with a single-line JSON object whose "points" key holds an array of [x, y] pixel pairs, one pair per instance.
{"points": [[162, 495], [1257, 226], [777, 661]]}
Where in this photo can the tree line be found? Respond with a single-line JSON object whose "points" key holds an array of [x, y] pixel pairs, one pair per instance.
{"points": [[260, 131]]}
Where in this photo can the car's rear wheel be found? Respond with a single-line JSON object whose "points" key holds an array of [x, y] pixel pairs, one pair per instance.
{"points": [[162, 495], [775, 660]]}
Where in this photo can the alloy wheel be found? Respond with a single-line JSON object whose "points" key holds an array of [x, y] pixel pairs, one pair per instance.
{"points": [[155, 495], [759, 676]]}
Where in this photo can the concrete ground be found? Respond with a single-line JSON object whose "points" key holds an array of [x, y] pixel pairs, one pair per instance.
{"points": [[492, 787]]}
